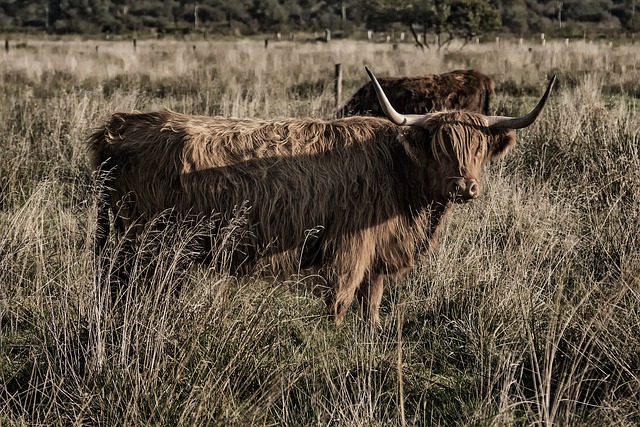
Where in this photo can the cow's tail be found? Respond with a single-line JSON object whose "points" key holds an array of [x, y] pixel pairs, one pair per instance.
{"points": [[102, 220], [342, 112], [487, 102], [488, 97], [98, 144]]}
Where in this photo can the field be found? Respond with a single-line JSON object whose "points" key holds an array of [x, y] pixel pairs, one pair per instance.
{"points": [[527, 314]]}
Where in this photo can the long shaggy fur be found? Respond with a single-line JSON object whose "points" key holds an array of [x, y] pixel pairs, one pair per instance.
{"points": [[468, 90], [356, 198]]}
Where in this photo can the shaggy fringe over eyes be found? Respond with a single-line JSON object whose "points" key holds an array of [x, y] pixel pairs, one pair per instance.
{"points": [[458, 134]]}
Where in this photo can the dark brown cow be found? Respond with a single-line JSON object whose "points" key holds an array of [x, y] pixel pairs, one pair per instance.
{"points": [[358, 199], [468, 90]]}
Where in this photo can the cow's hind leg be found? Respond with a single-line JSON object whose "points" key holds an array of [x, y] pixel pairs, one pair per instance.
{"points": [[342, 300], [349, 269], [371, 294], [345, 290]]}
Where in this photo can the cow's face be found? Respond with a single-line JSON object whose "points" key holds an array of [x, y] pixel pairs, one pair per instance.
{"points": [[459, 144]]}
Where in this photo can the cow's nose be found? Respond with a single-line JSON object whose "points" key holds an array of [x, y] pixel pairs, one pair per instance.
{"points": [[461, 189], [473, 189]]}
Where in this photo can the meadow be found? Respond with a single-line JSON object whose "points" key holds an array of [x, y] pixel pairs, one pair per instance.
{"points": [[527, 314]]}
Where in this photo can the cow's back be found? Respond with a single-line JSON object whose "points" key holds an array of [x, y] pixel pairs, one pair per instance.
{"points": [[467, 90]]}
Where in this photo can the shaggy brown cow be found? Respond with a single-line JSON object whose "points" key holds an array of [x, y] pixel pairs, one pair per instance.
{"points": [[359, 198], [468, 90]]}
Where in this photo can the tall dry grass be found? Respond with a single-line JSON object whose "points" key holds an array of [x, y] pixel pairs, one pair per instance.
{"points": [[526, 314]]}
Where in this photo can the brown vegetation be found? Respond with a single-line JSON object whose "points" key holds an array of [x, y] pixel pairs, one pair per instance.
{"points": [[526, 314]]}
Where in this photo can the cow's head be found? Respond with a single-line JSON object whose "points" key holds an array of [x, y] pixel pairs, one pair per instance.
{"points": [[460, 142]]}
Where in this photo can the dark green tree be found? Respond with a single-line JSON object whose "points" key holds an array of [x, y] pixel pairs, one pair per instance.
{"points": [[472, 18], [516, 16], [270, 14], [447, 18]]}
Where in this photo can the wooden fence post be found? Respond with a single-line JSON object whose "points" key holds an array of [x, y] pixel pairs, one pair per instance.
{"points": [[338, 84]]}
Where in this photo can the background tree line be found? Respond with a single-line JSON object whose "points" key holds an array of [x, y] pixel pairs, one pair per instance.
{"points": [[452, 18]]}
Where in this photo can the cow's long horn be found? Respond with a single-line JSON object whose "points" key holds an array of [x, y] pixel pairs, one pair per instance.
{"points": [[389, 111], [502, 122]]}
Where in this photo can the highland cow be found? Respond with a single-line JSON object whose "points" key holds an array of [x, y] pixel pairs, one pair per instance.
{"points": [[468, 90], [357, 199]]}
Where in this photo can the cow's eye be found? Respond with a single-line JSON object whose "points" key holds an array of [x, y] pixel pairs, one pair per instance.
{"points": [[479, 150]]}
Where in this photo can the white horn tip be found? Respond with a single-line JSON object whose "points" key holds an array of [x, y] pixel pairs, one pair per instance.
{"points": [[369, 72]]}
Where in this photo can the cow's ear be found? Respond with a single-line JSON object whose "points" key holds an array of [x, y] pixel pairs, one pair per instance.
{"points": [[415, 154], [501, 142], [411, 141]]}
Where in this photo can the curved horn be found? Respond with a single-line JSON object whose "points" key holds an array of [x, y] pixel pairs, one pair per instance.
{"points": [[503, 122], [389, 111]]}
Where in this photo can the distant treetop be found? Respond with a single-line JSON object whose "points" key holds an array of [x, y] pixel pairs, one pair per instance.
{"points": [[451, 18]]}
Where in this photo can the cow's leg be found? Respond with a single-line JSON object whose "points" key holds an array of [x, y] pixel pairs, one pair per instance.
{"points": [[124, 253], [345, 287], [349, 269], [371, 293], [122, 267], [345, 291]]}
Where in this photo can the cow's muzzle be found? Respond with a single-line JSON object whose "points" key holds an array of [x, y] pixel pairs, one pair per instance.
{"points": [[460, 190]]}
